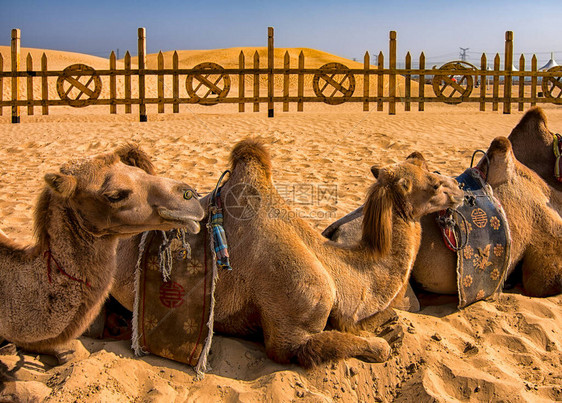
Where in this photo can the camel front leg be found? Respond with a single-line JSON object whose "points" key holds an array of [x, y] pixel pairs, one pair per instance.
{"points": [[73, 350]]}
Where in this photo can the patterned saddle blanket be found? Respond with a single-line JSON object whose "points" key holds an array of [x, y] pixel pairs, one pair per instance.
{"points": [[479, 232]]}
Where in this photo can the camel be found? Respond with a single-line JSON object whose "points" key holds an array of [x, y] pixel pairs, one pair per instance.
{"points": [[533, 212], [532, 145], [288, 282], [52, 290]]}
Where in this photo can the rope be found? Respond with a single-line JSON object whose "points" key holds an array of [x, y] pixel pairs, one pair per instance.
{"points": [[449, 223], [487, 165], [135, 337]]}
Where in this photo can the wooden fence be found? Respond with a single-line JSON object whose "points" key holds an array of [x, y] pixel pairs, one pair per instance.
{"points": [[79, 85]]}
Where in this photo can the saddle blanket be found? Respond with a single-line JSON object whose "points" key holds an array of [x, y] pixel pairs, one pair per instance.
{"points": [[483, 261], [172, 311]]}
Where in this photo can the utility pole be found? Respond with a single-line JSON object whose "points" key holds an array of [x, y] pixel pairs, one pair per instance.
{"points": [[462, 54]]}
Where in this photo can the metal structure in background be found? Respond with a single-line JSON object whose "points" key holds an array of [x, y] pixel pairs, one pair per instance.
{"points": [[79, 85]]}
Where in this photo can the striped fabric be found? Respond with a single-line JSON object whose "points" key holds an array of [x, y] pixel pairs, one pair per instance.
{"points": [[219, 238]]}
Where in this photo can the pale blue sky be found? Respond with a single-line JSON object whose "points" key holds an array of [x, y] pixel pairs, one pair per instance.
{"points": [[345, 28]]}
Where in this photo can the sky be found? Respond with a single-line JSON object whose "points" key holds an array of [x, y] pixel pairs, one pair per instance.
{"points": [[345, 28]]}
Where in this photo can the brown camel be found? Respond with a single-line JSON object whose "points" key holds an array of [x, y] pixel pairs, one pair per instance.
{"points": [[532, 145], [51, 291], [290, 282], [532, 209]]}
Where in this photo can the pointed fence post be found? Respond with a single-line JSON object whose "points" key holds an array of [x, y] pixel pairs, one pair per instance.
{"points": [[1, 83], [534, 81], [44, 85], [256, 82], [496, 85], [112, 82], [408, 65], [241, 81], [421, 88], [483, 79], [29, 68], [380, 81], [286, 66], [521, 83], [142, 62], [270, 50], [366, 67], [392, 74], [15, 50], [300, 84], [160, 82], [127, 66], [176, 83], [508, 79]]}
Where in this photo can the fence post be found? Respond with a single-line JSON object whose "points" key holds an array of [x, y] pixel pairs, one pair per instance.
{"points": [[534, 81], [176, 82], [29, 68], [113, 83], [483, 79], [507, 82], [44, 85], [300, 83], [15, 79], [408, 65], [421, 88], [521, 82], [366, 67], [286, 66], [380, 81], [496, 85], [392, 75], [1, 83], [142, 62], [241, 81], [160, 82], [256, 82], [270, 49], [127, 66]]}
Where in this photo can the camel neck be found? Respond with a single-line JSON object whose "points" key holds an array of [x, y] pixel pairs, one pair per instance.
{"points": [[385, 275], [75, 253]]}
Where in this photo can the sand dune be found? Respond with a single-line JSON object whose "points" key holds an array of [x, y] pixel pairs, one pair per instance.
{"points": [[504, 350]]}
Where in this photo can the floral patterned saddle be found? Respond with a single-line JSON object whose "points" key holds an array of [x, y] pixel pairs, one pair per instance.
{"points": [[479, 233]]}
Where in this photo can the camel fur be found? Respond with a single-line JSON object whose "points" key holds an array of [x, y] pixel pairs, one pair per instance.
{"points": [[289, 283], [52, 290], [533, 212]]}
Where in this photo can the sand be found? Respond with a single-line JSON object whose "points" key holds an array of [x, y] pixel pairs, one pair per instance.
{"points": [[503, 350]]}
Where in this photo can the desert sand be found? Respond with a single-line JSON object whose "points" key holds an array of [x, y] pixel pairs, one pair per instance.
{"points": [[507, 349]]}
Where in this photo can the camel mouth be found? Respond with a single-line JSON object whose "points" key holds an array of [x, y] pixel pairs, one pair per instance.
{"points": [[184, 220]]}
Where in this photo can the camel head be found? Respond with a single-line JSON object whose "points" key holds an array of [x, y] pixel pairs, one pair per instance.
{"points": [[409, 190], [118, 194]]}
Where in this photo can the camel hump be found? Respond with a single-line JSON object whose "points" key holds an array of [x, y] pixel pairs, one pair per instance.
{"points": [[131, 154], [530, 123], [251, 151], [500, 145]]}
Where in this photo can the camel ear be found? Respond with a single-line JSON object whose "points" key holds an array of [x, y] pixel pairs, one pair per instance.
{"points": [[133, 155], [405, 185], [375, 171], [65, 185], [417, 158], [502, 161]]}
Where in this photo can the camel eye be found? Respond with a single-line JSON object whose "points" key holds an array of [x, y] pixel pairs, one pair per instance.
{"points": [[117, 196], [436, 186], [188, 195]]}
